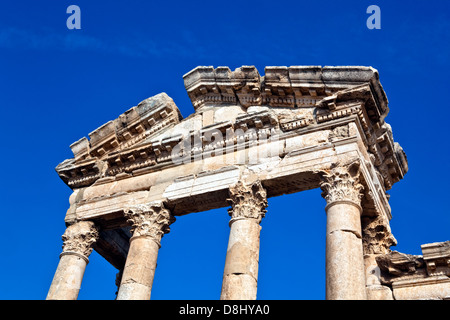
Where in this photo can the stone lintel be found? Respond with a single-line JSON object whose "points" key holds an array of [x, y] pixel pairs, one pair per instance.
{"points": [[113, 245], [198, 187]]}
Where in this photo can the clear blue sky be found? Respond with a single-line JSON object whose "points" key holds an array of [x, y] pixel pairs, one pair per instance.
{"points": [[57, 85]]}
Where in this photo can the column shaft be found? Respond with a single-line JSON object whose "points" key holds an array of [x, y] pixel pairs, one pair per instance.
{"points": [[345, 275], [68, 277], [139, 271], [78, 239], [241, 265], [377, 239], [149, 223]]}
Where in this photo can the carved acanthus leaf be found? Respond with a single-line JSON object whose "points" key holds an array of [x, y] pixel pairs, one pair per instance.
{"points": [[152, 220], [247, 201], [79, 238], [377, 236], [342, 184]]}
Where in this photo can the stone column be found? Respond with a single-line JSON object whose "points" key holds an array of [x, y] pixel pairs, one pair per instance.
{"points": [[241, 265], [77, 246], [345, 278], [149, 223]]}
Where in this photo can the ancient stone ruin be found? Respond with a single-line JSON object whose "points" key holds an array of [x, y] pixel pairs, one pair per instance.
{"points": [[251, 137]]}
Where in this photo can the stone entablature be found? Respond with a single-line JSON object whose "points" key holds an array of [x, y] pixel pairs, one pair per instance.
{"points": [[251, 137], [110, 151], [292, 87], [415, 277], [108, 145]]}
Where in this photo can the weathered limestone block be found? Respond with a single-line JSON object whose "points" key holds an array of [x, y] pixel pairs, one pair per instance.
{"points": [[98, 207], [307, 140], [430, 288], [203, 182]]}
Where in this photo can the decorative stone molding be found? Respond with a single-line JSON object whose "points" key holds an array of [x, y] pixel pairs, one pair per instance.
{"points": [[294, 86], [435, 261], [109, 145], [418, 277], [79, 237], [377, 236], [388, 156], [399, 266], [247, 201], [136, 142], [341, 184], [437, 258], [292, 124], [134, 125], [118, 281], [149, 220]]}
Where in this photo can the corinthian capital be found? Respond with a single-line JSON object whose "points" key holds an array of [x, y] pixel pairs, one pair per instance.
{"points": [[150, 220], [79, 237], [342, 184], [247, 201], [377, 235]]}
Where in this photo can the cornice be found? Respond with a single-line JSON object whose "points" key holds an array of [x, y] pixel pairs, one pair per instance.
{"points": [[141, 122], [288, 87]]}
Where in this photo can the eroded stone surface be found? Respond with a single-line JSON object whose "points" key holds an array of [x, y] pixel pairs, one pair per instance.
{"points": [[414, 277], [77, 246]]}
